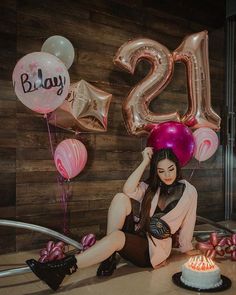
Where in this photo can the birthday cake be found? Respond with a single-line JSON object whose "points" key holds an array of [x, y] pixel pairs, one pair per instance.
{"points": [[201, 272]]}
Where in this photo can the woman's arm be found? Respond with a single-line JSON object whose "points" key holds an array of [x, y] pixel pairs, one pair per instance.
{"points": [[132, 182], [187, 228]]}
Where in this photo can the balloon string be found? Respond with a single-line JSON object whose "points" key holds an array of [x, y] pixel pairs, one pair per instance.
{"points": [[55, 133], [201, 149], [49, 135], [65, 190], [65, 194], [194, 169]]}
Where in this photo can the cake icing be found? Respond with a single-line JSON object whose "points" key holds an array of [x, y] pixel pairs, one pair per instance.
{"points": [[201, 272]]}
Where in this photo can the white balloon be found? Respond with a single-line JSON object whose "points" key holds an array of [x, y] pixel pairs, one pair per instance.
{"points": [[61, 48]]}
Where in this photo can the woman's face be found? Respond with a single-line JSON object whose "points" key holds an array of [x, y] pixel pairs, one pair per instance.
{"points": [[166, 171]]}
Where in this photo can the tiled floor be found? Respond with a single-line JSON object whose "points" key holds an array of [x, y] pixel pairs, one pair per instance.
{"points": [[127, 279]]}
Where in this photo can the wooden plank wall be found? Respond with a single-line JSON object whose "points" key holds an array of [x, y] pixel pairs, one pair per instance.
{"points": [[29, 188], [8, 127]]}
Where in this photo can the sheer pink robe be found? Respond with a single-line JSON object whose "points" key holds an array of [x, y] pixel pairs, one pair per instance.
{"points": [[182, 216]]}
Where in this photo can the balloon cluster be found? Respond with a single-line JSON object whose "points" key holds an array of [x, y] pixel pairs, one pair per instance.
{"points": [[52, 251], [170, 130], [219, 246], [201, 144], [56, 251], [42, 83]]}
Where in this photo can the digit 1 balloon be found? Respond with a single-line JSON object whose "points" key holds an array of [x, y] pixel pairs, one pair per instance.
{"points": [[176, 136], [41, 81], [70, 157], [193, 52]]}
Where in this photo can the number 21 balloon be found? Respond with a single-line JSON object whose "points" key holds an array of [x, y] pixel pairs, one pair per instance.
{"points": [[193, 52]]}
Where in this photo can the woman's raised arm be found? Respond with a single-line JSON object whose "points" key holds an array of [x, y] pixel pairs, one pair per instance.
{"points": [[132, 182]]}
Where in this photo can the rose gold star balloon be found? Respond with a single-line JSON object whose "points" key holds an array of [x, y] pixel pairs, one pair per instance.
{"points": [[85, 109]]}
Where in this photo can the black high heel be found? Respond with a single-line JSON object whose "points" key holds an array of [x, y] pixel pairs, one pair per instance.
{"points": [[53, 273], [107, 267]]}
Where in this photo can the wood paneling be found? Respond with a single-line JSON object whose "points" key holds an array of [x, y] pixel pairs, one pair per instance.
{"points": [[28, 184], [8, 128]]}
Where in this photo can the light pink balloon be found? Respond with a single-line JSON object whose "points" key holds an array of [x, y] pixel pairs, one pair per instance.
{"points": [[41, 81], [206, 143], [70, 157]]}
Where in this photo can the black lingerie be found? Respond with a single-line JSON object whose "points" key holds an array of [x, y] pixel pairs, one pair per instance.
{"points": [[134, 236], [158, 228], [173, 195]]}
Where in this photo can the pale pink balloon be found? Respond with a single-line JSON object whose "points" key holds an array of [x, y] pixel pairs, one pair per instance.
{"points": [[206, 143], [41, 81], [70, 157]]}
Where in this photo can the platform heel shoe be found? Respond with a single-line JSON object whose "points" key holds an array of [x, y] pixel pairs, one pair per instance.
{"points": [[107, 267], [53, 272]]}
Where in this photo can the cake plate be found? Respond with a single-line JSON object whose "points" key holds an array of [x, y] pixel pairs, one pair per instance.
{"points": [[226, 284]]}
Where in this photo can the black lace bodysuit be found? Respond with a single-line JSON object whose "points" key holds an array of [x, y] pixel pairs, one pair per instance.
{"points": [[172, 194], [158, 228], [136, 248]]}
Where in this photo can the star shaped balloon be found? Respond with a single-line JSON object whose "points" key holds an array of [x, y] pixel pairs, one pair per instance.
{"points": [[85, 109]]}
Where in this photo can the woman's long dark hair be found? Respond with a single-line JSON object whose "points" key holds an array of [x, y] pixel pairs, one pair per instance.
{"points": [[154, 183]]}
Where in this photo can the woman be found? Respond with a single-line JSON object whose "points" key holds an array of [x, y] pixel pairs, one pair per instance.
{"points": [[146, 214]]}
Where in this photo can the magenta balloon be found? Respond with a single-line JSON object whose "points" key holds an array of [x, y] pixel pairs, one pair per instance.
{"points": [[70, 157], [176, 136]]}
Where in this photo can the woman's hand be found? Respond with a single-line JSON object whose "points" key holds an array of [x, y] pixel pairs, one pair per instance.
{"points": [[147, 155], [163, 263], [193, 252], [132, 182]]}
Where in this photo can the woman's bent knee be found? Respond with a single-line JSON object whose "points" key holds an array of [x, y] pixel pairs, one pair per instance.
{"points": [[119, 237], [121, 199], [121, 196]]}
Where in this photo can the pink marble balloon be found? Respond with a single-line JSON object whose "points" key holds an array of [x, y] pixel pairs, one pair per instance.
{"points": [[206, 143], [173, 135], [70, 157], [41, 81], [214, 246], [52, 251], [88, 241]]}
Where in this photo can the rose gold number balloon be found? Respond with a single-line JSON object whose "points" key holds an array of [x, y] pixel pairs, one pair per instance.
{"points": [[137, 116], [193, 52]]}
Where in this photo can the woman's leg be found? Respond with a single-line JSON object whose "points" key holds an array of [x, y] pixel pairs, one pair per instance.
{"points": [[102, 249], [120, 208], [53, 273]]}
